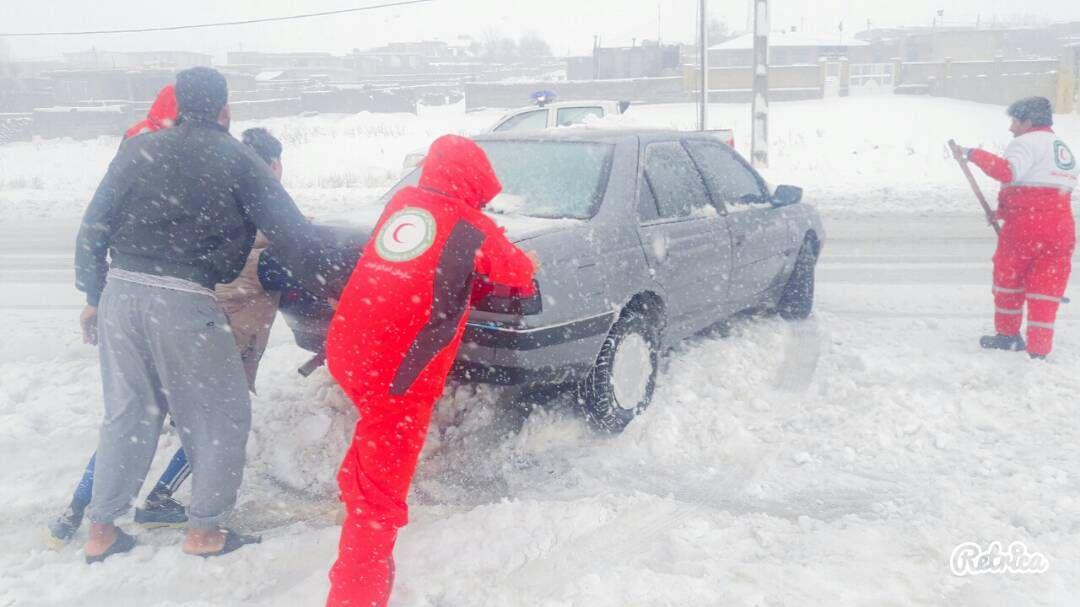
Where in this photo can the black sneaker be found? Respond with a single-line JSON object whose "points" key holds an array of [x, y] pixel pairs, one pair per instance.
{"points": [[1011, 343], [64, 527], [1037, 356], [162, 512]]}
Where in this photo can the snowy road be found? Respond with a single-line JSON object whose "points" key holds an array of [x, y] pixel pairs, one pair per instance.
{"points": [[834, 462], [891, 250]]}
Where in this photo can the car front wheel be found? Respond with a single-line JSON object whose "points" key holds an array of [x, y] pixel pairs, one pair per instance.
{"points": [[621, 384], [797, 300]]}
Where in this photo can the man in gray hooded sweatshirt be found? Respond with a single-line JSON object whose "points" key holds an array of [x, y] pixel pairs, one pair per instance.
{"points": [[177, 214]]}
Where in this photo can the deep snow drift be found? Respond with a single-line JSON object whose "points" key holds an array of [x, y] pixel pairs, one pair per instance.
{"points": [[832, 462]]}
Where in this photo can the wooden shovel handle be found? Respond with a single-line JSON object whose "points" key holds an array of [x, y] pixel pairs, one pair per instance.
{"points": [[955, 149]]}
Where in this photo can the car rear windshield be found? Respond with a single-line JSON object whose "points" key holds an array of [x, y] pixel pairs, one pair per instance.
{"points": [[553, 179]]}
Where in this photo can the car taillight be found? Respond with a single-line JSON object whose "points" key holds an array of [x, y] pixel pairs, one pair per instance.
{"points": [[731, 143], [508, 300]]}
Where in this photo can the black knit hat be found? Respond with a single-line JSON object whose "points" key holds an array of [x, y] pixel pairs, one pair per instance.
{"points": [[201, 92], [1035, 109], [265, 145]]}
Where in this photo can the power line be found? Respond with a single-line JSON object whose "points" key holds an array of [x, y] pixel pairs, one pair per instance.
{"points": [[174, 28]]}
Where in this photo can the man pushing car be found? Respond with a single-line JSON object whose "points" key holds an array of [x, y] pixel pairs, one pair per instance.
{"points": [[394, 338], [175, 215]]}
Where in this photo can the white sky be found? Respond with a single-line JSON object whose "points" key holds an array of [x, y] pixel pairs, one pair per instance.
{"points": [[568, 25]]}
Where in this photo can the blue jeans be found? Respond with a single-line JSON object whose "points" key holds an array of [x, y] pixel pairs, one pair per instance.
{"points": [[177, 471]]}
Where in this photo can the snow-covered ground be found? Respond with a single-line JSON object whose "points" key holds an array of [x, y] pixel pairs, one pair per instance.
{"points": [[856, 155], [832, 462]]}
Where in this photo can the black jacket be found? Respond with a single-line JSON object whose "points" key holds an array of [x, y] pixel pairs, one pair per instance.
{"points": [[186, 202]]}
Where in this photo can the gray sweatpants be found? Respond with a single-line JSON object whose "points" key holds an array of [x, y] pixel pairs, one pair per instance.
{"points": [[170, 351]]}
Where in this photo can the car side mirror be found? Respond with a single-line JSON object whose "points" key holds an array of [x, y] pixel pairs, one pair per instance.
{"points": [[786, 195]]}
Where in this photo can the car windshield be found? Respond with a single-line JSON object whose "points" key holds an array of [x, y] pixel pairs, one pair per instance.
{"points": [[552, 179], [545, 179]]}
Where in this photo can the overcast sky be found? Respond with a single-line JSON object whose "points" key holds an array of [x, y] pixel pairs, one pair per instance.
{"points": [[569, 25]]}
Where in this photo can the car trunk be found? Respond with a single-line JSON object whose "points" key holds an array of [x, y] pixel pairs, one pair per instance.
{"points": [[519, 228]]}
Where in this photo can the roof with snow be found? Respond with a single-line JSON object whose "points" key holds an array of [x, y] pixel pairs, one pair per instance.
{"points": [[269, 75], [791, 39]]}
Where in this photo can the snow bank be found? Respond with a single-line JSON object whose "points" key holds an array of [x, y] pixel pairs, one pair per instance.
{"points": [[866, 154], [844, 458], [332, 162]]}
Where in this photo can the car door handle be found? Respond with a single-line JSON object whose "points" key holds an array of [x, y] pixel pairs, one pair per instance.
{"points": [[740, 239]]}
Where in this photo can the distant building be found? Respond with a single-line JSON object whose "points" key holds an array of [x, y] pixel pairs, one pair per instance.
{"points": [[790, 48], [409, 58], [34, 68], [972, 43], [580, 68], [644, 61], [377, 63], [432, 49], [272, 61], [103, 60]]}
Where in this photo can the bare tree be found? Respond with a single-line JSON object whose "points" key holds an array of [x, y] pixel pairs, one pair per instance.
{"points": [[719, 31], [499, 46], [532, 45]]}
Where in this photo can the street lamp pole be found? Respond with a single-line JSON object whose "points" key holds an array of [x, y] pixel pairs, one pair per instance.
{"points": [[703, 84]]}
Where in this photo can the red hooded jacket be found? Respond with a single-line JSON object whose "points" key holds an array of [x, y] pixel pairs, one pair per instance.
{"points": [[402, 314], [162, 114]]}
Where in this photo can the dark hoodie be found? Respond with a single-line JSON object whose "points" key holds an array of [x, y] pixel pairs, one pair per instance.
{"points": [[185, 202]]}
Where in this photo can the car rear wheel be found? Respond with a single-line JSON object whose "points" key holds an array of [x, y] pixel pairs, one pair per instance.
{"points": [[797, 300], [621, 384]]}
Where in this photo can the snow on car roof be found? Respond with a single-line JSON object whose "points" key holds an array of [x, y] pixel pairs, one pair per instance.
{"points": [[559, 104], [587, 132]]}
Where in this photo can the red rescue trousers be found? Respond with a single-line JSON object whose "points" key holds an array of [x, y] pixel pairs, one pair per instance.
{"points": [[374, 480], [1032, 264]]}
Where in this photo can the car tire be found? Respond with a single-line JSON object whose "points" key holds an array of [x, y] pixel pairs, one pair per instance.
{"points": [[620, 385], [797, 300]]}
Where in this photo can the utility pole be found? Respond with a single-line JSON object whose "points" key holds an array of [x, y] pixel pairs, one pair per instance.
{"points": [[657, 24], [596, 57], [759, 142], [703, 43]]}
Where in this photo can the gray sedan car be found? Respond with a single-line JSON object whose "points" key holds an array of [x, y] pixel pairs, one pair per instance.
{"points": [[645, 238]]}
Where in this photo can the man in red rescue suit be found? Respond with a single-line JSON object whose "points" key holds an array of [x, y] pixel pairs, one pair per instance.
{"points": [[394, 338], [1034, 254]]}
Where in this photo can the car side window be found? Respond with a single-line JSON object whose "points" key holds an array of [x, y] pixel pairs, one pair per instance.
{"points": [[676, 182], [730, 182], [525, 121], [647, 210], [576, 115]]}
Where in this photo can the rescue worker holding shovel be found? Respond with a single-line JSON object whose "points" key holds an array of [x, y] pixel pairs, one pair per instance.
{"points": [[1034, 254]]}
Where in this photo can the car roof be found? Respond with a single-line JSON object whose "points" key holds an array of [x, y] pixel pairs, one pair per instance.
{"points": [[592, 133], [561, 104]]}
